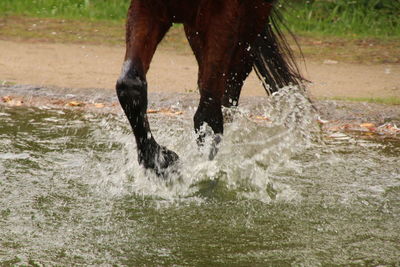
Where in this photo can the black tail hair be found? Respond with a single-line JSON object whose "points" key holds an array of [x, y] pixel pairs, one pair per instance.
{"points": [[274, 62]]}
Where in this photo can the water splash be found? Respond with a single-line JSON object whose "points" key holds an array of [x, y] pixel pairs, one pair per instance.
{"points": [[249, 152]]}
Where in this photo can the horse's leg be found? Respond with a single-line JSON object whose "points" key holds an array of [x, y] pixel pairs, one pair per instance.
{"points": [[195, 41], [212, 37], [239, 70], [146, 26], [221, 37], [254, 17]]}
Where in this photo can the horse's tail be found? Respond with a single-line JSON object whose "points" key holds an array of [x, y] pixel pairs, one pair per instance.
{"points": [[274, 62]]}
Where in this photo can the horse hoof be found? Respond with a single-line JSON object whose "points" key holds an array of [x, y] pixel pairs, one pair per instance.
{"points": [[166, 158], [159, 159]]}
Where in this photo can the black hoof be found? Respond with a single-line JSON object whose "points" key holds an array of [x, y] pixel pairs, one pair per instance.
{"points": [[158, 158]]}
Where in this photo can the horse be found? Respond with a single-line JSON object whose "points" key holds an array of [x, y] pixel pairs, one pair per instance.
{"points": [[229, 38]]}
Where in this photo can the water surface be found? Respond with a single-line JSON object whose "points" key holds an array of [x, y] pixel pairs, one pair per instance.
{"points": [[279, 193]]}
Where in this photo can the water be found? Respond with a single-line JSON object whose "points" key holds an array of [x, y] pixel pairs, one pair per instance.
{"points": [[279, 193]]}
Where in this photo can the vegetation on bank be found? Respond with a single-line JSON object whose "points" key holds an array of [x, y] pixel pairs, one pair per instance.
{"points": [[378, 100], [345, 18], [66, 9]]}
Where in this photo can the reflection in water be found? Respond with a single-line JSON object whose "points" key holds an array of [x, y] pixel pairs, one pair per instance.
{"points": [[278, 193]]}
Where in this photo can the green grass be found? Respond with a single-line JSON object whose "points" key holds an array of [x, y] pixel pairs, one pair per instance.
{"points": [[349, 18], [69, 9], [345, 18], [378, 100]]}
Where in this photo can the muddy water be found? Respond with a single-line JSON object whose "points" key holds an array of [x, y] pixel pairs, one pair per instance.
{"points": [[279, 193]]}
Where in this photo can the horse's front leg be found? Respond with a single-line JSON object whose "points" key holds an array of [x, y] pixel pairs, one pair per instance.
{"points": [[146, 27]]}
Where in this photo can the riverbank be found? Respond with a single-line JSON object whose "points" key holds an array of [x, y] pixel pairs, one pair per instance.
{"points": [[357, 119]]}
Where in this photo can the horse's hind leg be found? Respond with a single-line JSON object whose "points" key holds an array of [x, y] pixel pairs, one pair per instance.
{"points": [[212, 38], [253, 21], [239, 70], [146, 26], [220, 37]]}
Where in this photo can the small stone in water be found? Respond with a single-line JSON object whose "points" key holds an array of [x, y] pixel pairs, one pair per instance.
{"points": [[367, 125], [99, 105], [330, 62], [75, 104]]}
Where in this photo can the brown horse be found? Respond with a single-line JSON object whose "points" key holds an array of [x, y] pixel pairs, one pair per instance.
{"points": [[228, 38]]}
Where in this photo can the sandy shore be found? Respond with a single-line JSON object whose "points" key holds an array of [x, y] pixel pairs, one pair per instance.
{"points": [[89, 66]]}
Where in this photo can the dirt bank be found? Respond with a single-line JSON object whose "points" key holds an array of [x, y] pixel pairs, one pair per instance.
{"points": [[366, 120], [93, 66]]}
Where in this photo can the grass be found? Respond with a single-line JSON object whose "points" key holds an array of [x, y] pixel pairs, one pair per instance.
{"points": [[67, 9], [377, 100], [352, 19], [345, 18]]}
